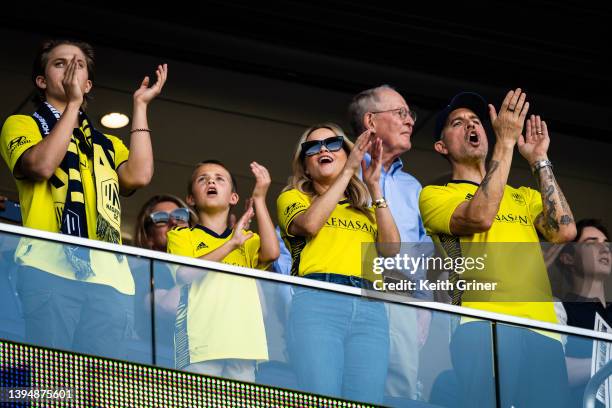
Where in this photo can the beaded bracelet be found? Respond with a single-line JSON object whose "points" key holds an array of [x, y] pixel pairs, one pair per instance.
{"points": [[140, 130]]}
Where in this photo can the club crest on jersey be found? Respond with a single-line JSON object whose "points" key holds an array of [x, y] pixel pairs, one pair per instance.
{"points": [[518, 198]]}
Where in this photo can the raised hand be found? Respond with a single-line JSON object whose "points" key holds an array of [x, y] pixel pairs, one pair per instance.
{"points": [[71, 85], [371, 173], [534, 146], [262, 180], [362, 145], [238, 236], [146, 94], [232, 219], [508, 124]]}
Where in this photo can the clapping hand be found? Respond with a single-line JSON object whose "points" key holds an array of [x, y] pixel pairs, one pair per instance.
{"points": [[534, 145], [238, 236], [262, 180], [508, 123], [371, 173], [362, 145], [146, 94]]}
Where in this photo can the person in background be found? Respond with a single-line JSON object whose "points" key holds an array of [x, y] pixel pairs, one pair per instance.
{"points": [[157, 216], [385, 112], [10, 211], [586, 265]]}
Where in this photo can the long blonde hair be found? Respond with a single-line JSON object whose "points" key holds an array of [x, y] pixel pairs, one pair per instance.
{"points": [[356, 191]]}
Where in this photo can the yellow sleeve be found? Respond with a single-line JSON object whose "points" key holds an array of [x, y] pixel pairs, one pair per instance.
{"points": [[288, 206], [121, 151], [372, 211], [534, 201], [437, 205], [179, 242], [19, 133]]}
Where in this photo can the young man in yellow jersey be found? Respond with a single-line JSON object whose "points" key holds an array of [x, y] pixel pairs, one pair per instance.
{"points": [[219, 324], [69, 176], [477, 206]]}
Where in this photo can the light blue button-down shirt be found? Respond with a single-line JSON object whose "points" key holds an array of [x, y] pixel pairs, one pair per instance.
{"points": [[401, 191]]}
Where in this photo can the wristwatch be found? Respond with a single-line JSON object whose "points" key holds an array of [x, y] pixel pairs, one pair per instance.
{"points": [[380, 203], [540, 164]]}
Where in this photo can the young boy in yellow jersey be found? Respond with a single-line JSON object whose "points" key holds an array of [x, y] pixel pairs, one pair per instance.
{"points": [[219, 323]]}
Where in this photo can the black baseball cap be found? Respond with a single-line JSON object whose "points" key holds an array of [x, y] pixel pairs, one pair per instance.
{"points": [[470, 100]]}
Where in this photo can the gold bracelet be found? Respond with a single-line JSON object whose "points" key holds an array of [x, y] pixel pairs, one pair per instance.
{"points": [[380, 203], [140, 130]]}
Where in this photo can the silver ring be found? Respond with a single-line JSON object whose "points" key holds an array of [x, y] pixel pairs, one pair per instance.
{"points": [[539, 132], [510, 109]]}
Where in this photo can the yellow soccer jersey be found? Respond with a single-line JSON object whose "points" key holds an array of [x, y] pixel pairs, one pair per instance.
{"points": [[38, 210], [223, 316], [337, 248], [517, 266]]}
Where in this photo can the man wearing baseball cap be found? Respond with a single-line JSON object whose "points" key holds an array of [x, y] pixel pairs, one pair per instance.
{"points": [[477, 207]]}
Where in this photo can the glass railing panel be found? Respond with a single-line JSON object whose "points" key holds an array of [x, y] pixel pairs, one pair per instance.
{"points": [[164, 301], [544, 368], [12, 326], [47, 303], [142, 342], [468, 379], [325, 342], [306, 335]]}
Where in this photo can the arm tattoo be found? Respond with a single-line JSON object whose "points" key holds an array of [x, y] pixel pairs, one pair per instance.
{"points": [[553, 200], [550, 212], [484, 185]]}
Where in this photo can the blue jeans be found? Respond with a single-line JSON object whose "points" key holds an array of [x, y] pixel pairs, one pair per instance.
{"points": [[76, 316], [531, 369], [339, 345]]}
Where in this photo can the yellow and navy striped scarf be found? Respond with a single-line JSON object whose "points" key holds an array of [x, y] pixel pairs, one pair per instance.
{"points": [[67, 187]]}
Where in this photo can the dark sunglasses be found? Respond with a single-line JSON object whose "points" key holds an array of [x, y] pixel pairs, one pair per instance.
{"points": [[312, 147], [163, 217]]}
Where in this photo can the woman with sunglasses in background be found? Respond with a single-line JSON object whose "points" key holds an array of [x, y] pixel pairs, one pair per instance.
{"points": [[338, 344], [157, 216]]}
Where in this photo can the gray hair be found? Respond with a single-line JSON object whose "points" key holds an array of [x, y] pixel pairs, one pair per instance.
{"points": [[363, 102]]}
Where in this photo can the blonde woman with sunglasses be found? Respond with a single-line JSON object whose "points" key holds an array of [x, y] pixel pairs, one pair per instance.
{"points": [[338, 344]]}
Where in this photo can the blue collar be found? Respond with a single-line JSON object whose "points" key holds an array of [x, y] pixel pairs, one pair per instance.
{"points": [[210, 232], [463, 181]]}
